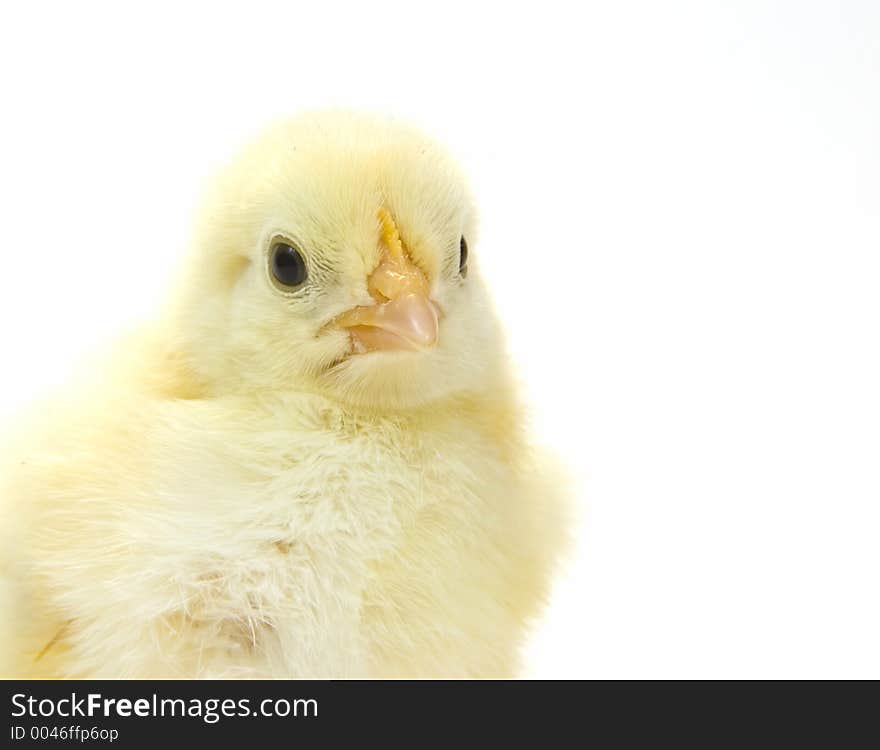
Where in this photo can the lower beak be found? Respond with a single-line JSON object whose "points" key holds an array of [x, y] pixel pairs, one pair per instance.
{"points": [[407, 322]]}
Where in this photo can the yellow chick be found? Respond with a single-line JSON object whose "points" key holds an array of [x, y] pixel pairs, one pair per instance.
{"points": [[312, 465]]}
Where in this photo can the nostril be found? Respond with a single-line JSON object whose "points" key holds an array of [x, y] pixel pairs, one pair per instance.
{"points": [[392, 278], [378, 291], [396, 274]]}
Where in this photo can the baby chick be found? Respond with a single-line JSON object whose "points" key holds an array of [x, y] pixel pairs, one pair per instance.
{"points": [[312, 465]]}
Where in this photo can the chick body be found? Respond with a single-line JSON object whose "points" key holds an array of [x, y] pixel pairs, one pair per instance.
{"points": [[198, 513]]}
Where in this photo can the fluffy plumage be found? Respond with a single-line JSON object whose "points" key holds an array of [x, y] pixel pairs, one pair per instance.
{"points": [[236, 493]]}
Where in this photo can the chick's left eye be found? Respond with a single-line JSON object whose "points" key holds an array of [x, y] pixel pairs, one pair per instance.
{"points": [[287, 265]]}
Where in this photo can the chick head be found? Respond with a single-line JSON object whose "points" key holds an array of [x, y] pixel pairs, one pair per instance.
{"points": [[336, 254]]}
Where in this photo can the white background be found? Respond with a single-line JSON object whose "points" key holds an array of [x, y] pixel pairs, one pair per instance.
{"points": [[681, 223]]}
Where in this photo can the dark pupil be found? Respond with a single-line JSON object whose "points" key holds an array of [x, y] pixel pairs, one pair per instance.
{"points": [[287, 265], [462, 255]]}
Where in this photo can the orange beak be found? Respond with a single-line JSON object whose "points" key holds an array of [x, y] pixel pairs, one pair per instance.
{"points": [[404, 316]]}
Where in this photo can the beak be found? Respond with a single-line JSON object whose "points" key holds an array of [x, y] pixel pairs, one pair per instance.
{"points": [[404, 316]]}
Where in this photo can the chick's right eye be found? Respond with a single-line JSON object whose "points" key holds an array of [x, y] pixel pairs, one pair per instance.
{"points": [[287, 265]]}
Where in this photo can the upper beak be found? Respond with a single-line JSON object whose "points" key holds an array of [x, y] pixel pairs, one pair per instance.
{"points": [[404, 315]]}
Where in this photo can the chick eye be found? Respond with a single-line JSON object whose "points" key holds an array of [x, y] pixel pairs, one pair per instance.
{"points": [[287, 265], [462, 257]]}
